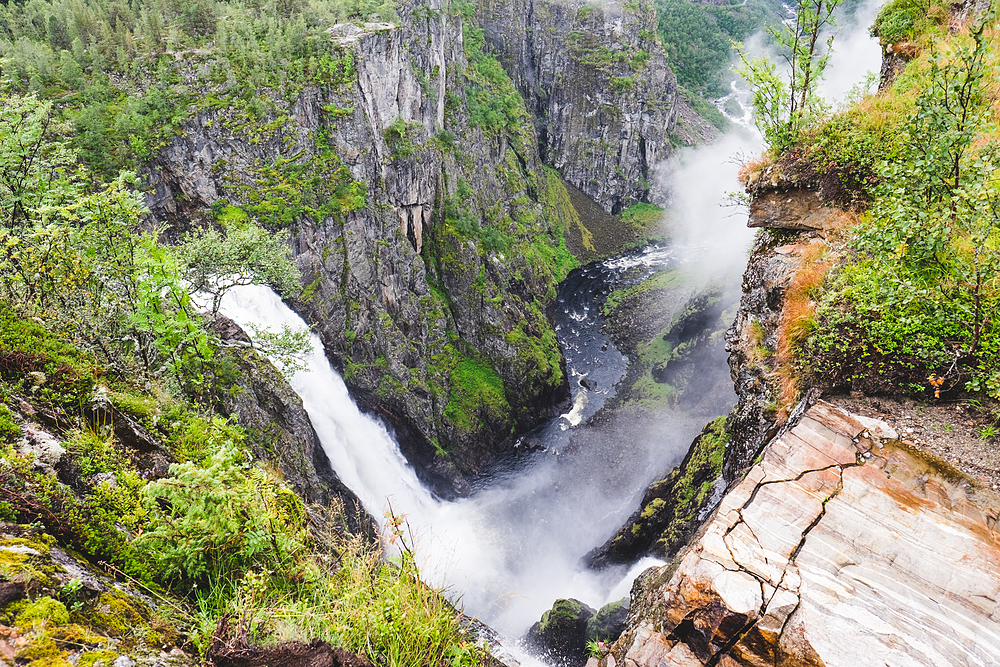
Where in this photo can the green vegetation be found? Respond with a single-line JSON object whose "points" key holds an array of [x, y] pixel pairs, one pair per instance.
{"points": [[688, 487], [910, 307], [693, 480], [559, 209], [698, 39], [78, 260], [782, 109], [922, 298], [95, 311], [901, 20], [125, 77], [661, 280], [477, 396], [494, 103], [399, 138], [645, 218]]}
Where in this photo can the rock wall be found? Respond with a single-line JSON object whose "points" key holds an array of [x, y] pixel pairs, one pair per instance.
{"points": [[596, 77], [280, 431], [792, 219], [843, 546], [429, 296]]}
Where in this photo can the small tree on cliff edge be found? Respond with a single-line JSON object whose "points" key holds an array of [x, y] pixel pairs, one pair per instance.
{"points": [[782, 109]]}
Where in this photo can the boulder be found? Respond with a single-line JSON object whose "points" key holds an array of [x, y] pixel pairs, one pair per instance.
{"points": [[608, 622], [560, 636]]}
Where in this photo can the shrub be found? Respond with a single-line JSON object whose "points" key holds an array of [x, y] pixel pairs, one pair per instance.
{"points": [[399, 138], [211, 524]]}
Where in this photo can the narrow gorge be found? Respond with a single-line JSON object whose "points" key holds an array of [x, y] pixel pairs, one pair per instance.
{"points": [[420, 333]]}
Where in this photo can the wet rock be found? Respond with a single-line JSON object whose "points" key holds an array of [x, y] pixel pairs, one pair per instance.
{"points": [[671, 508], [752, 341], [898, 552], [608, 622], [10, 591], [560, 636]]}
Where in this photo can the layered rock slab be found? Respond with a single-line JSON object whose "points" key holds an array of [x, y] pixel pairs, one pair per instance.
{"points": [[842, 546]]}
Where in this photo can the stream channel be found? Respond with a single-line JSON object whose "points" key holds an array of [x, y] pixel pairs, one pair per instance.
{"points": [[514, 546]]}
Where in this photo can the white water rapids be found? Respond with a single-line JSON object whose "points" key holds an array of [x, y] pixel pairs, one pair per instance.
{"points": [[508, 552]]}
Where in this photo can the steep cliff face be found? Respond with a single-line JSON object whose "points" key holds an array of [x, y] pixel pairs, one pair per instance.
{"points": [[597, 80], [843, 546], [279, 429], [794, 222], [420, 218]]}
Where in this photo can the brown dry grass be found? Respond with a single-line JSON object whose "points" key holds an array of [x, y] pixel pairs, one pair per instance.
{"points": [[797, 319]]}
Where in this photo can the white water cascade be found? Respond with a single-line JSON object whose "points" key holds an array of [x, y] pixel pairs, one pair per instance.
{"points": [[506, 553]]}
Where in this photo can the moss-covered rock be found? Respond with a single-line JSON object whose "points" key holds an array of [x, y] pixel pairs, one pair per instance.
{"points": [[62, 611], [608, 622], [561, 634], [39, 611], [673, 507]]}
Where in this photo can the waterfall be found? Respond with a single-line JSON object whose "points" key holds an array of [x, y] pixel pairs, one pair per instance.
{"points": [[360, 450], [506, 553]]}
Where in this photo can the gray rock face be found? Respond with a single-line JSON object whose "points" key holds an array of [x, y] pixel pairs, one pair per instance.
{"points": [[598, 82], [438, 330]]}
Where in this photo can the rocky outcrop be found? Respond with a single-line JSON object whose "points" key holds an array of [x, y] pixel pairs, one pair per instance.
{"points": [[843, 546], [58, 609], [597, 79], [559, 637], [278, 427], [751, 342], [672, 508], [796, 209]]}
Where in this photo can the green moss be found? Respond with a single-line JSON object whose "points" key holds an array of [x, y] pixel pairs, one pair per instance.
{"points": [[9, 429], [114, 613], [310, 290], [67, 374], [74, 636], [38, 649], [661, 280], [561, 213], [563, 613], [44, 609], [477, 394], [141, 406], [694, 479], [399, 138], [644, 217], [651, 509], [91, 658], [25, 566]]}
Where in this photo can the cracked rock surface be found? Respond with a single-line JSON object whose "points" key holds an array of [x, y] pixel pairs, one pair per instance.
{"points": [[842, 546]]}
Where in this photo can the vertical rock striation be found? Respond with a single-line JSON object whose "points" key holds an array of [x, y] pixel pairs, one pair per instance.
{"points": [[841, 547], [596, 77]]}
